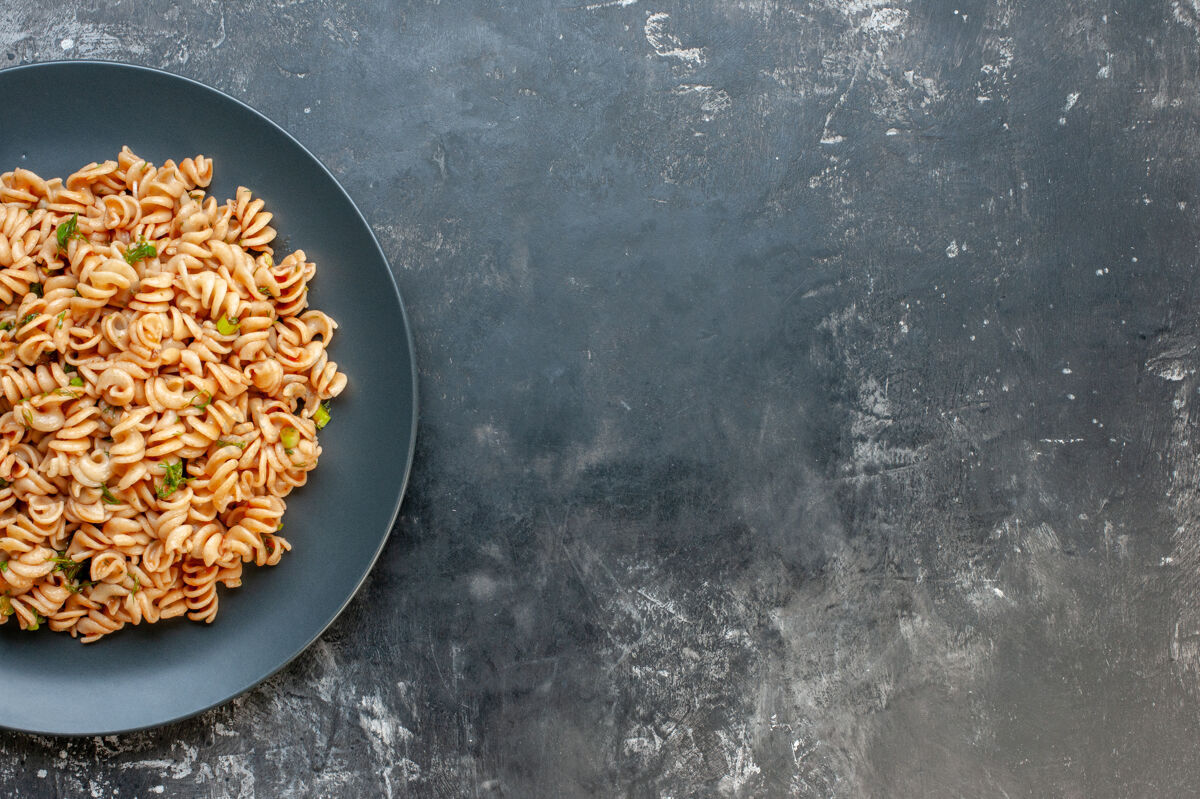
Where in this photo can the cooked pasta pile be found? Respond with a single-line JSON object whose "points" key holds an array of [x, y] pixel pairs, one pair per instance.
{"points": [[163, 382]]}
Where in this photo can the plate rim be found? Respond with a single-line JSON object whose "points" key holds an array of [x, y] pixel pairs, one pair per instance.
{"points": [[412, 359]]}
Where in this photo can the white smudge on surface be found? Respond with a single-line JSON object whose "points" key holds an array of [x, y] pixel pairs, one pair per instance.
{"points": [[609, 4], [667, 44], [712, 101]]}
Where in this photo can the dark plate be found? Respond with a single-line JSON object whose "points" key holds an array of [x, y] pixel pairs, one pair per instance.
{"points": [[337, 524]]}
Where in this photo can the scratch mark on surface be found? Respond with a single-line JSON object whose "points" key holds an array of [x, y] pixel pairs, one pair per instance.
{"points": [[609, 4], [220, 31], [828, 136], [712, 101]]}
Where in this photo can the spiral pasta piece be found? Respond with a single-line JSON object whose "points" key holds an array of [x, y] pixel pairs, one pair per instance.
{"points": [[162, 385]]}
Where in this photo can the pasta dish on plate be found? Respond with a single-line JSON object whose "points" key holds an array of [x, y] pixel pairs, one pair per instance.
{"points": [[163, 383]]}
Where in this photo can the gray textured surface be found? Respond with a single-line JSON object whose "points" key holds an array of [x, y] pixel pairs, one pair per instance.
{"points": [[809, 399]]}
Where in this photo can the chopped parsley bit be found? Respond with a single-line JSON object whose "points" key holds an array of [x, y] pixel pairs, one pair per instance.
{"points": [[6, 325], [140, 252], [28, 418], [290, 437], [268, 541], [77, 294], [321, 417], [263, 290], [223, 443], [4, 566], [205, 398], [64, 564], [77, 381], [172, 479], [61, 317], [108, 497], [69, 367], [227, 326], [62, 392], [280, 527], [75, 588], [36, 289], [27, 318], [68, 230], [6, 608], [37, 622], [137, 585]]}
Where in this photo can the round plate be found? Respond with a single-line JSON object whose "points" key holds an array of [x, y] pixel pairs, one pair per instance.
{"points": [[152, 674]]}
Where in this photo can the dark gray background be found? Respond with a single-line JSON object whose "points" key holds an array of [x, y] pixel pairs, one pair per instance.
{"points": [[809, 400]]}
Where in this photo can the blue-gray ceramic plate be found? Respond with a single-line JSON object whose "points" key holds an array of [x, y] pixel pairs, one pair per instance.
{"points": [[337, 524]]}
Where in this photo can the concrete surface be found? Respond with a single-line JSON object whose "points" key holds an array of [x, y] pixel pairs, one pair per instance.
{"points": [[809, 398]]}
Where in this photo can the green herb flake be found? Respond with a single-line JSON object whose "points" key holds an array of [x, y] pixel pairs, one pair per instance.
{"points": [[107, 496], [224, 443], [69, 367], [227, 326], [140, 252], [75, 588], [77, 381], [64, 564], [28, 417], [61, 318], [172, 479], [36, 289], [6, 325], [4, 566], [204, 397], [27, 318], [321, 417], [68, 230], [263, 290], [6, 608]]}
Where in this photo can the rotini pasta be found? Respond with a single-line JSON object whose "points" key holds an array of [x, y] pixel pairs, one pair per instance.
{"points": [[162, 382]]}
